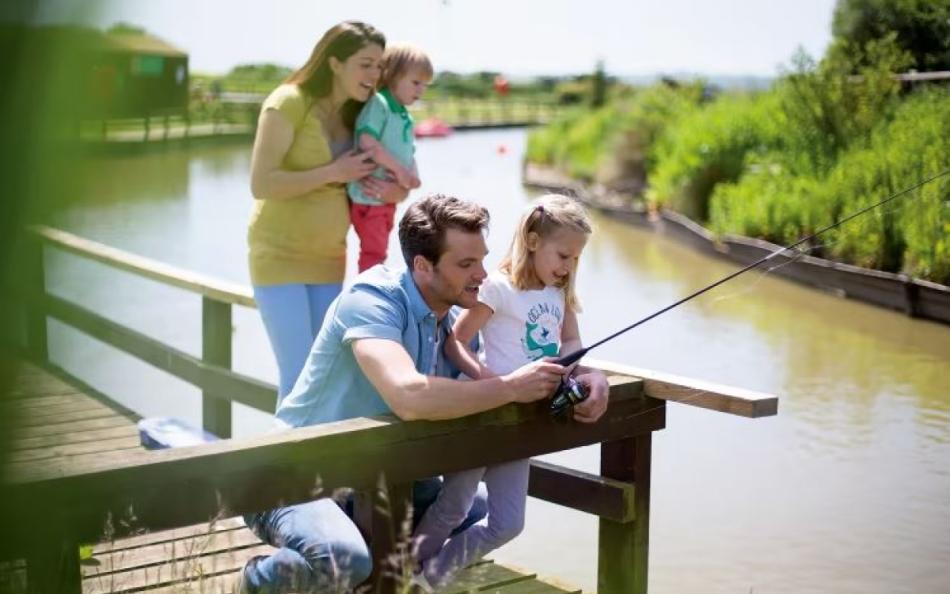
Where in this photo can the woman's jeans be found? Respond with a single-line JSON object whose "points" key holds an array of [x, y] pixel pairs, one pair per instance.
{"points": [[321, 550], [292, 315]]}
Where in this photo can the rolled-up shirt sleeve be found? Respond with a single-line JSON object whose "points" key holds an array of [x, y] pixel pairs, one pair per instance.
{"points": [[369, 313]]}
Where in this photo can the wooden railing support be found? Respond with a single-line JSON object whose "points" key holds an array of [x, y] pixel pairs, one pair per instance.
{"points": [[384, 516], [624, 548], [36, 337], [216, 350], [52, 563]]}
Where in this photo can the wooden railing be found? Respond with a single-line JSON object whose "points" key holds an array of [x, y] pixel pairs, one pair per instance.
{"points": [[66, 502]]}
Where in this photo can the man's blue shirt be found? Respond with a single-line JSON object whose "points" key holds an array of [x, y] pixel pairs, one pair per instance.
{"points": [[381, 303]]}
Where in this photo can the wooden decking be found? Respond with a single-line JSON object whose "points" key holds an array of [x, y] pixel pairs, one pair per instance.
{"points": [[55, 420]]}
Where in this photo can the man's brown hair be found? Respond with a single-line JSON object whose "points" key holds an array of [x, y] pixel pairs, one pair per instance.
{"points": [[422, 229]]}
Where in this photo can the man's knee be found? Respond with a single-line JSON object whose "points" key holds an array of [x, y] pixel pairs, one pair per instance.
{"points": [[341, 565], [503, 534]]}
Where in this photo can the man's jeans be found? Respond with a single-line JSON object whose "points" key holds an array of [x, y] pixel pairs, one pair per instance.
{"points": [[321, 550]]}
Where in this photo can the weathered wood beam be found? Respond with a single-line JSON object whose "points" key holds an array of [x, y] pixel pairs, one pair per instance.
{"points": [[213, 380], [666, 386], [604, 497], [177, 487], [213, 288]]}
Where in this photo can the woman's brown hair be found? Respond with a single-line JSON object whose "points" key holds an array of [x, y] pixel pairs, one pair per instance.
{"points": [[343, 40]]}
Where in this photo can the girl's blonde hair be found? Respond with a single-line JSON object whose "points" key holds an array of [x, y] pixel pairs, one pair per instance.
{"points": [[546, 215], [400, 58]]}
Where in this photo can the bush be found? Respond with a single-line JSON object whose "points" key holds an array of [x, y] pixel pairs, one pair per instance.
{"points": [[910, 234], [710, 146]]}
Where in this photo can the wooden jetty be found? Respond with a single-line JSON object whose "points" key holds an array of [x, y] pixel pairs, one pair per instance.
{"points": [[168, 520]]}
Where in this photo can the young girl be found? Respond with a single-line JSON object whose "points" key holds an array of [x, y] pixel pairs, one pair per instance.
{"points": [[526, 311], [384, 127]]}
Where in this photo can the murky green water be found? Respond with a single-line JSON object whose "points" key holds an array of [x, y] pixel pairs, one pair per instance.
{"points": [[847, 490]]}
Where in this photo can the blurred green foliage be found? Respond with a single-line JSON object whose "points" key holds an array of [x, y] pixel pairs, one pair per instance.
{"points": [[921, 27], [829, 138]]}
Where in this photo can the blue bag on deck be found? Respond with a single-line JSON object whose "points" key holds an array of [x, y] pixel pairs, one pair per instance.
{"points": [[158, 433]]}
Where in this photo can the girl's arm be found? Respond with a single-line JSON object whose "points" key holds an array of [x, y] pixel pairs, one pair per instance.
{"points": [[269, 179], [457, 350], [403, 174], [571, 339]]}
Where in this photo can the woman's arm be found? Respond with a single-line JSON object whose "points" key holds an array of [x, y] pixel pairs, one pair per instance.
{"points": [[270, 181], [403, 175], [457, 349]]}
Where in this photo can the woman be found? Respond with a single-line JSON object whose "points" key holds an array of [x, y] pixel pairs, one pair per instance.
{"points": [[302, 159]]}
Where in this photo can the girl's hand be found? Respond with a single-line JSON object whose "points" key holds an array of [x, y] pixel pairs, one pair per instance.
{"points": [[387, 190], [354, 165]]}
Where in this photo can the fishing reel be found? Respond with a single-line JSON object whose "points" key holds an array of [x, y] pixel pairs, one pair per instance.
{"points": [[569, 392]]}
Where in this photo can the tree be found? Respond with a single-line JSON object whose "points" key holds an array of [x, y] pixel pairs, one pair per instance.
{"points": [[598, 86], [922, 27]]}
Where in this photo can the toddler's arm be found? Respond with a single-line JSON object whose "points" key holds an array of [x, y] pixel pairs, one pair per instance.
{"points": [[404, 176]]}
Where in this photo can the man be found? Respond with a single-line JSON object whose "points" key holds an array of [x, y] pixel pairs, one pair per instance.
{"points": [[379, 351]]}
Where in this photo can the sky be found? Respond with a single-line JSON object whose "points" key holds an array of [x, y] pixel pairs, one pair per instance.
{"points": [[518, 37]]}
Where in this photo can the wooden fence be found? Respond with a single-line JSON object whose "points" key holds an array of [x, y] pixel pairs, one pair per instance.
{"points": [[64, 504]]}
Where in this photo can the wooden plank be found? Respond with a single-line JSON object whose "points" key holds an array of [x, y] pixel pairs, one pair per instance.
{"points": [[152, 269], [77, 426], [211, 378], [182, 549], [486, 576], [64, 414], [74, 449], [623, 549], [603, 497], [166, 536], [28, 443], [181, 486], [178, 572], [666, 386], [40, 404]]}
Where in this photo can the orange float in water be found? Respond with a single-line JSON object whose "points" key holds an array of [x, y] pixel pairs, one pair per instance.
{"points": [[432, 128]]}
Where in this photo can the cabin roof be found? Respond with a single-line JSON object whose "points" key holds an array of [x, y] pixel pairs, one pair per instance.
{"points": [[141, 43]]}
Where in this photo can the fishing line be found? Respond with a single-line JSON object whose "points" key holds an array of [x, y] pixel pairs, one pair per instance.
{"points": [[578, 354]]}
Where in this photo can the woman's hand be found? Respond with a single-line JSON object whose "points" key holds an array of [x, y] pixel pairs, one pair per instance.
{"points": [[353, 165], [387, 190]]}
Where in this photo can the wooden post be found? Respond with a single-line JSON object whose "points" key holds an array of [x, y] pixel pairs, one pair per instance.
{"points": [[36, 337], [624, 548], [52, 564], [216, 350], [384, 516]]}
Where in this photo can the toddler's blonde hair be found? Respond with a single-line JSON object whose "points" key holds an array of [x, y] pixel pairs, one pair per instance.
{"points": [[400, 58]]}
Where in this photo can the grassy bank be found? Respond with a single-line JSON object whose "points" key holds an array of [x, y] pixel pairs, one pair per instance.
{"points": [[779, 164]]}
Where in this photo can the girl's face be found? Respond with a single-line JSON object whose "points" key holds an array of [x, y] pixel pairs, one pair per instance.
{"points": [[356, 77], [410, 86], [555, 256]]}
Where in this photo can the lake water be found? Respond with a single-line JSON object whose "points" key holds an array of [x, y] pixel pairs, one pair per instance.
{"points": [[846, 490]]}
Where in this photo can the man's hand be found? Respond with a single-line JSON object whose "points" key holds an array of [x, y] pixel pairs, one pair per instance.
{"points": [[595, 405], [533, 381]]}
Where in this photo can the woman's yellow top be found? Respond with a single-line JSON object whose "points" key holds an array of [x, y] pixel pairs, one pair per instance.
{"points": [[300, 239]]}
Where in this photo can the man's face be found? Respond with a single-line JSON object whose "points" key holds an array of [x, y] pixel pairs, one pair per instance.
{"points": [[455, 278]]}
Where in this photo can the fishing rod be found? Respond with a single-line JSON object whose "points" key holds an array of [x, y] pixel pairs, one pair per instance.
{"points": [[570, 392]]}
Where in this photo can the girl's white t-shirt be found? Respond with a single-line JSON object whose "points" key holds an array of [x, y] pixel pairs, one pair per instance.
{"points": [[525, 326]]}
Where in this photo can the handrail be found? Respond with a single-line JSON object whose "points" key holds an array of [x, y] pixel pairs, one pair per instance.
{"points": [[663, 386], [219, 290], [260, 472]]}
